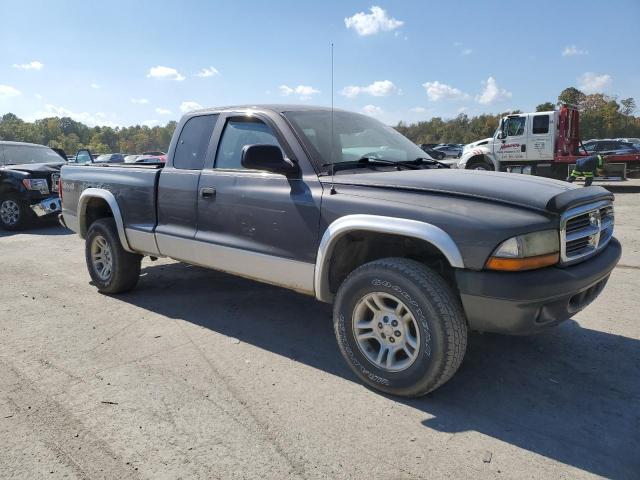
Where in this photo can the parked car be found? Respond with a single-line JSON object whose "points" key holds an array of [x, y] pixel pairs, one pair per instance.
{"points": [[29, 176], [338, 206], [150, 159], [435, 154], [629, 140], [607, 146], [450, 151], [154, 153], [131, 158], [110, 158]]}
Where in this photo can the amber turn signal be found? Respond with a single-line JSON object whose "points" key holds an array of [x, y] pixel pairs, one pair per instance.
{"points": [[520, 264]]}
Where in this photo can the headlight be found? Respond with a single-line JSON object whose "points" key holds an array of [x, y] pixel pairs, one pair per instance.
{"points": [[39, 184], [526, 252]]}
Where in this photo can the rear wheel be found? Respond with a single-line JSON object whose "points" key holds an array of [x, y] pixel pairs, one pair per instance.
{"points": [[112, 268], [400, 327], [14, 213]]}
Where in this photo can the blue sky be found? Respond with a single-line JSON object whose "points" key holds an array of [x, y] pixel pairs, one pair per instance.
{"points": [[122, 63]]}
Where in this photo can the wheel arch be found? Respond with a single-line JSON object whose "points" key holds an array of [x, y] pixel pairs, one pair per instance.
{"points": [[95, 203], [432, 239], [481, 157]]}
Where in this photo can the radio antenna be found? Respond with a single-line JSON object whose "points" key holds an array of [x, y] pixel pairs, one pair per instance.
{"points": [[333, 188]]}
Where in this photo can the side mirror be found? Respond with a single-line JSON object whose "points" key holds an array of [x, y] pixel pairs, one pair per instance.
{"points": [[84, 156], [268, 158]]}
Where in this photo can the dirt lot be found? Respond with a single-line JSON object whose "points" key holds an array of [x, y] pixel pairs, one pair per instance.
{"points": [[197, 374]]}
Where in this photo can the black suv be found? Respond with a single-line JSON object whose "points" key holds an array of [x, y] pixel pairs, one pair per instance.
{"points": [[28, 183]]}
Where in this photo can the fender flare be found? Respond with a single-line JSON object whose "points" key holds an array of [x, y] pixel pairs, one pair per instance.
{"points": [[108, 197], [381, 224], [480, 151]]}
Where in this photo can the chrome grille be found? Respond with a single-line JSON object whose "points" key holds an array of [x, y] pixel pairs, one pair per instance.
{"points": [[585, 230]]}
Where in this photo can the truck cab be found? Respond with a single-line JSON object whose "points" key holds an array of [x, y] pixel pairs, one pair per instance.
{"points": [[524, 137]]}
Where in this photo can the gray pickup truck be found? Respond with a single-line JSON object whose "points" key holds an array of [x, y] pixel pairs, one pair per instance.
{"points": [[339, 206]]}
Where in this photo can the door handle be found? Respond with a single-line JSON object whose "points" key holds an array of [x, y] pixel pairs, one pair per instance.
{"points": [[523, 148], [208, 192]]}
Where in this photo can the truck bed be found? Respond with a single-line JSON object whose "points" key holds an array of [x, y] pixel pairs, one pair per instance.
{"points": [[134, 187]]}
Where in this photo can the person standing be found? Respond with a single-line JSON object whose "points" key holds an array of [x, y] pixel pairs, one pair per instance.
{"points": [[587, 167]]}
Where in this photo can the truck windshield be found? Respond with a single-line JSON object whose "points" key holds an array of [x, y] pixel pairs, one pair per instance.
{"points": [[354, 136], [20, 154]]}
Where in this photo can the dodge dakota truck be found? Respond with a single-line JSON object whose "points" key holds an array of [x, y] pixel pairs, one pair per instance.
{"points": [[337, 205]]}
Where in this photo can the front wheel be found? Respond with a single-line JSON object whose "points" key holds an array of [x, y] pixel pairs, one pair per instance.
{"points": [[400, 327], [14, 213], [481, 165], [112, 268]]}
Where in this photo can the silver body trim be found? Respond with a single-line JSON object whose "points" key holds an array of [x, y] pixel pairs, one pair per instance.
{"points": [[108, 197], [142, 242], [46, 207], [374, 223], [598, 233], [279, 271]]}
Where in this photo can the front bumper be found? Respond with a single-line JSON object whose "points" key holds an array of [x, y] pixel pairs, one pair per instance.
{"points": [[525, 302], [48, 206]]}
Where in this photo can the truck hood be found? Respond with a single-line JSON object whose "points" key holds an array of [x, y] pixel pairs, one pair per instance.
{"points": [[36, 167], [479, 143], [525, 191]]}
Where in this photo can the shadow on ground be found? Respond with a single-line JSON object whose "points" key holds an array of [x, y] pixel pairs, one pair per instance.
{"points": [[43, 227], [570, 394]]}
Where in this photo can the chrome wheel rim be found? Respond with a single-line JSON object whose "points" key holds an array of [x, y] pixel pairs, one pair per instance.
{"points": [[101, 257], [386, 331], [9, 212]]}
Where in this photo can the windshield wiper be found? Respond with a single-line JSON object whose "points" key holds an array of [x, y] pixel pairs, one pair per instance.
{"points": [[429, 161], [372, 162]]}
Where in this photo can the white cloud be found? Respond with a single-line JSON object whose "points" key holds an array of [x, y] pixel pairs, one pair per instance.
{"points": [[441, 91], [372, 110], [379, 88], [573, 50], [492, 93], [418, 110], [590, 82], [35, 65], [140, 101], [462, 110], [163, 111], [95, 86], [466, 51], [150, 123], [7, 91], [38, 96], [457, 44], [208, 72], [305, 92], [165, 73], [189, 106], [84, 117], [371, 23]]}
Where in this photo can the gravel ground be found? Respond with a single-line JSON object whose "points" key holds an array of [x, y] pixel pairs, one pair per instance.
{"points": [[197, 374]]}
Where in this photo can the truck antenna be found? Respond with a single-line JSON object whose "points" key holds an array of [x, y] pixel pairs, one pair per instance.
{"points": [[333, 187]]}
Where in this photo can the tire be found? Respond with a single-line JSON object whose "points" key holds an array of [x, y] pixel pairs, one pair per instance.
{"points": [[481, 165], [14, 213], [112, 268], [436, 325]]}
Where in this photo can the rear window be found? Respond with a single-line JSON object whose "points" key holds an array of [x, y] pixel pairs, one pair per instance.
{"points": [[540, 124], [19, 154], [193, 142]]}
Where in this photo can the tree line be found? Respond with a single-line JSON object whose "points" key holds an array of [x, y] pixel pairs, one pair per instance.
{"points": [[70, 135], [601, 116]]}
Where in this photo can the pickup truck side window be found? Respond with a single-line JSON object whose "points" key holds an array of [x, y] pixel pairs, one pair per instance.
{"points": [[540, 124], [193, 142], [238, 133]]}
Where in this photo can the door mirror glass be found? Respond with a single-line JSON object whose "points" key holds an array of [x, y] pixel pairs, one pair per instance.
{"points": [[268, 158], [83, 156]]}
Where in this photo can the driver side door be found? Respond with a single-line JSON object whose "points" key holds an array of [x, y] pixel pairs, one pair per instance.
{"points": [[514, 145]]}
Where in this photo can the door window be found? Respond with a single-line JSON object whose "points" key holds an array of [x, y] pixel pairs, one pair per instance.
{"points": [[193, 142], [515, 126], [237, 134], [540, 124]]}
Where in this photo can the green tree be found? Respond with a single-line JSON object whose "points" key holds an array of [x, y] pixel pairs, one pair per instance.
{"points": [[572, 96], [545, 107]]}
